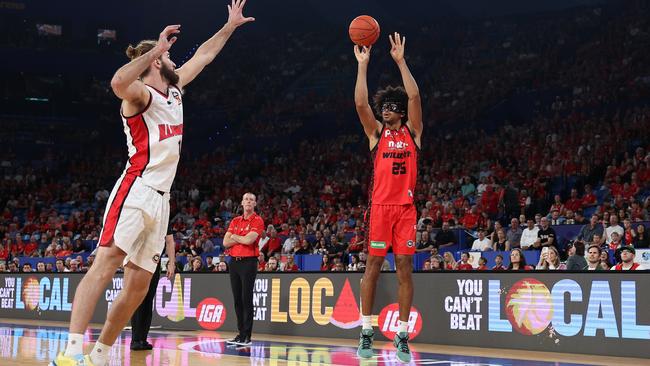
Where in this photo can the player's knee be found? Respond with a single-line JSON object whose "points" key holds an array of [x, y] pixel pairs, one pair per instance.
{"points": [[136, 290], [373, 268]]}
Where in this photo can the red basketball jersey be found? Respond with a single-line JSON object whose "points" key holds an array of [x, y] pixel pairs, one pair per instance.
{"points": [[395, 168]]}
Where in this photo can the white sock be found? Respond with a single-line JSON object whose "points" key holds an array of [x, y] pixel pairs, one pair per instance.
{"points": [[99, 354], [75, 345], [402, 327], [366, 322]]}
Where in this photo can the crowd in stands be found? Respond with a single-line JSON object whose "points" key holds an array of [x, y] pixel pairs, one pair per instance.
{"points": [[581, 157]]}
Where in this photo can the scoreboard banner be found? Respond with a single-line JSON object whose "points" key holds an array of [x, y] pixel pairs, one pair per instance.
{"points": [[592, 313]]}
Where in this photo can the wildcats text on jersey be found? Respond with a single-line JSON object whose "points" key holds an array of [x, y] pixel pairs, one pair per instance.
{"points": [[396, 155]]}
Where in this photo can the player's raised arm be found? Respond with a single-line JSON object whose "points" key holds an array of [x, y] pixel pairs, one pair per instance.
{"points": [[397, 43], [371, 126], [126, 84], [211, 48]]}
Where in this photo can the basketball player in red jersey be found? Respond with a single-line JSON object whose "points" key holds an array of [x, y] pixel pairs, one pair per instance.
{"points": [[394, 144], [137, 214]]}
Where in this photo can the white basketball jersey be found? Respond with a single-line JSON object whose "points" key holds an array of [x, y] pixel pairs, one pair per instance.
{"points": [[154, 138]]}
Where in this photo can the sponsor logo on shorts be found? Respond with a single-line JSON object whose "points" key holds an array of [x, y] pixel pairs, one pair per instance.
{"points": [[378, 244], [156, 258], [210, 313], [410, 244]]}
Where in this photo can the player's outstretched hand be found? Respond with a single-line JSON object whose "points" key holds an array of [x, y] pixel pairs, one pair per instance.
{"points": [[235, 14], [164, 42], [362, 54], [397, 44]]}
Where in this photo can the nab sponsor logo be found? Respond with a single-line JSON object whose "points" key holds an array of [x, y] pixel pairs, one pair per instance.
{"points": [[388, 321], [399, 145], [210, 313]]}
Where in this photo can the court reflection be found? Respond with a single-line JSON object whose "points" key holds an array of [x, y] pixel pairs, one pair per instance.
{"points": [[22, 345]]}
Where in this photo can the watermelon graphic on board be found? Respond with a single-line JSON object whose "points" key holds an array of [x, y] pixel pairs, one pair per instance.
{"points": [[346, 313]]}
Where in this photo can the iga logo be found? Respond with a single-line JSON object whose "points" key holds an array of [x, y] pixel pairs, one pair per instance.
{"points": [[210, 313], [389, 320]]}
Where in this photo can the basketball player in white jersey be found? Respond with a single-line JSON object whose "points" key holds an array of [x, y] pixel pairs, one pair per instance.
{"points": [[137, 213]]}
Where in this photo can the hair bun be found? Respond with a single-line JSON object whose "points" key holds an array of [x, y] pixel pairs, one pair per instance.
{"points": [[131, 52]]}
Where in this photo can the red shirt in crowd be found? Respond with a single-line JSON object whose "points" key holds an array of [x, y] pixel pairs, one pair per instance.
{"points": [[573, 204], [470, 220], [356, 244], [273, 245], [64, 253], [291, 268], [4, 254], [490, 201], [17, 249], [465, 267], [630, 191], [589, 199], [30, 248]]}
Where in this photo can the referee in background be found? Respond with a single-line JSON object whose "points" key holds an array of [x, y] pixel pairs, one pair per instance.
{"points": [[141, 319], [241, 243]]}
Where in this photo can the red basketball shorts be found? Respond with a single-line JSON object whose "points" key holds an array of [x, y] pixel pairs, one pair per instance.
{"points": [[392, 225]]}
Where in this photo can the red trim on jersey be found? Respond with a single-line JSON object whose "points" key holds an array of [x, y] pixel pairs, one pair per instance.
{"points": [[138, 162], [140, 139], [115, 209], [144, 110], [166, 95]]}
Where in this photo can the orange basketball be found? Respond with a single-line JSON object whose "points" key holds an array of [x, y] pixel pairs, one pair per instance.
{"points": [[364, 30]]}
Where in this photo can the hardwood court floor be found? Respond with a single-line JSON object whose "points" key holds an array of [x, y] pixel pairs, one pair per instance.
{"points": [[29, 343]]}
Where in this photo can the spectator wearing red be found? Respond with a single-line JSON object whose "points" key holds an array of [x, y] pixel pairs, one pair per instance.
{"points": [[4, 253], [482, 264], [616, 187], [450, 261], [629, 234], [498, 266], [628, 254], [325, 263], [17, 248], [31, 249], [290, 265], [464, 264], [574, 203], [518, 261], [471, 219], [274, 245], [459, 201], [490, 201], [557, 205], [616, 241], [357, 241], [64, 251], [261, 262]]}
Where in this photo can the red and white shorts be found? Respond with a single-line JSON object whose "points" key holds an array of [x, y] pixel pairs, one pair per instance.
{"points": [[392, 225], [136, 219]]}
